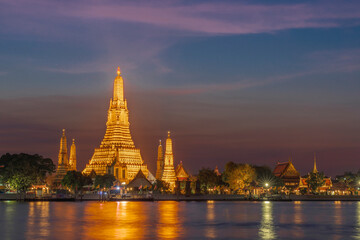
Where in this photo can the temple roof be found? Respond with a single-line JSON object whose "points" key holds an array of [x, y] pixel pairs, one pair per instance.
{"points": [[286, 169], [280, 168], [180, 172], [139, 180]]}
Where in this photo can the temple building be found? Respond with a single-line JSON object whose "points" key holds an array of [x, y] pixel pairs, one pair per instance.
{"points": [[63, 164], [168, 174], [72, 159], [160, 162], [304, 180], [117, 153], [288, 174], [180, 173], [139, 182]]}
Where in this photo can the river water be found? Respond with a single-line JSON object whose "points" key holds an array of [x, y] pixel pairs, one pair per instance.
{"points": [[180, 220]]}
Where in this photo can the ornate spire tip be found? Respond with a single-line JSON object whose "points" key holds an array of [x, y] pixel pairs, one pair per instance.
{"points": [[118, 71], [168, 133]]}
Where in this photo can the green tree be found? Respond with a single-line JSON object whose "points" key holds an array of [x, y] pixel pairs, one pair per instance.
{"points": [[264, 176], [239, 176], [21, 171], [76, 181], [315, 181], [161, 186], [208, 179], [104, 182], [351, 180]]}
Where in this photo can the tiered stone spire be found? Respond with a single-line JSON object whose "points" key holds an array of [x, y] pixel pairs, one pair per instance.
{"points": [[169, 171], [117, 153], [63, 165], [160, 162], [72, 159], [63, 157]]}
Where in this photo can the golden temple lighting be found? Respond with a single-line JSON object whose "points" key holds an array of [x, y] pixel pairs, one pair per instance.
{"points": [[65, 164], [168, 174], [117, 153]]}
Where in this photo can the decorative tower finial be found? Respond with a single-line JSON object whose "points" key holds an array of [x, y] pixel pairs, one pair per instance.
{"points": [[119, 88], [168, 133], [160, 142], [63, 131], [315, 169]]}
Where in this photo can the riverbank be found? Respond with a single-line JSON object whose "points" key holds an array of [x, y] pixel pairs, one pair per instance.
{"points": [[173, 197]]}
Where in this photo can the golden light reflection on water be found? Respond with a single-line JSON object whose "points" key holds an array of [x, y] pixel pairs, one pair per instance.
{"points": [[210, 231], [38, 220], [298, 217], [168, 226], [114, 220], [267, 230], [338, 213]]}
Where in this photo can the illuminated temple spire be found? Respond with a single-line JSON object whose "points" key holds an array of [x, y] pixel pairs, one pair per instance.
{"points": [[315, 169], [169, 171], [117, 153], [63, 157], [72, 159], [118, 87], [63, 165], [160, 161]]}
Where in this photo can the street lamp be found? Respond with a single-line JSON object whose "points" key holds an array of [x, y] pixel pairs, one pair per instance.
{"points": [[266, 184]]}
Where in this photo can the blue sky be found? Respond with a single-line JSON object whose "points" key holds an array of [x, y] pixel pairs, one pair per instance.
{"points": [[243, 81]]}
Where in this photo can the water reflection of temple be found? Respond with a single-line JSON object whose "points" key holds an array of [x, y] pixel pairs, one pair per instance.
{"points": [[168, 226], [210, 230], [118, 220]]}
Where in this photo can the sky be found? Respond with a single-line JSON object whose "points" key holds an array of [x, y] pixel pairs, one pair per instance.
{"points": [[244, 81]]}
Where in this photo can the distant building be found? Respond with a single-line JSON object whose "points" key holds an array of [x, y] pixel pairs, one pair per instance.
{"points": [[139, 182], [64, 165], [168, 174], [72, 159], [304, 180], [288, 174], [182, 180], [160, 162], [216, 171], [180, 173]]}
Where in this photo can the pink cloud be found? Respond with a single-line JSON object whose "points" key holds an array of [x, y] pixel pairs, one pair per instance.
{"points": [[209, 18], [238, 85]]}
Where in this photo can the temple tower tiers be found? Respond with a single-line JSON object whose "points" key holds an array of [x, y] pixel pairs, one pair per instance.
{"points": [[169, 171], [63, 165], [72, 159], [160, 161], [117, 153], [63, 157]]}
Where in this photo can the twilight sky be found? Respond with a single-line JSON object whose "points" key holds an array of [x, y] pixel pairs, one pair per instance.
{"points": [[242, 81]]}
